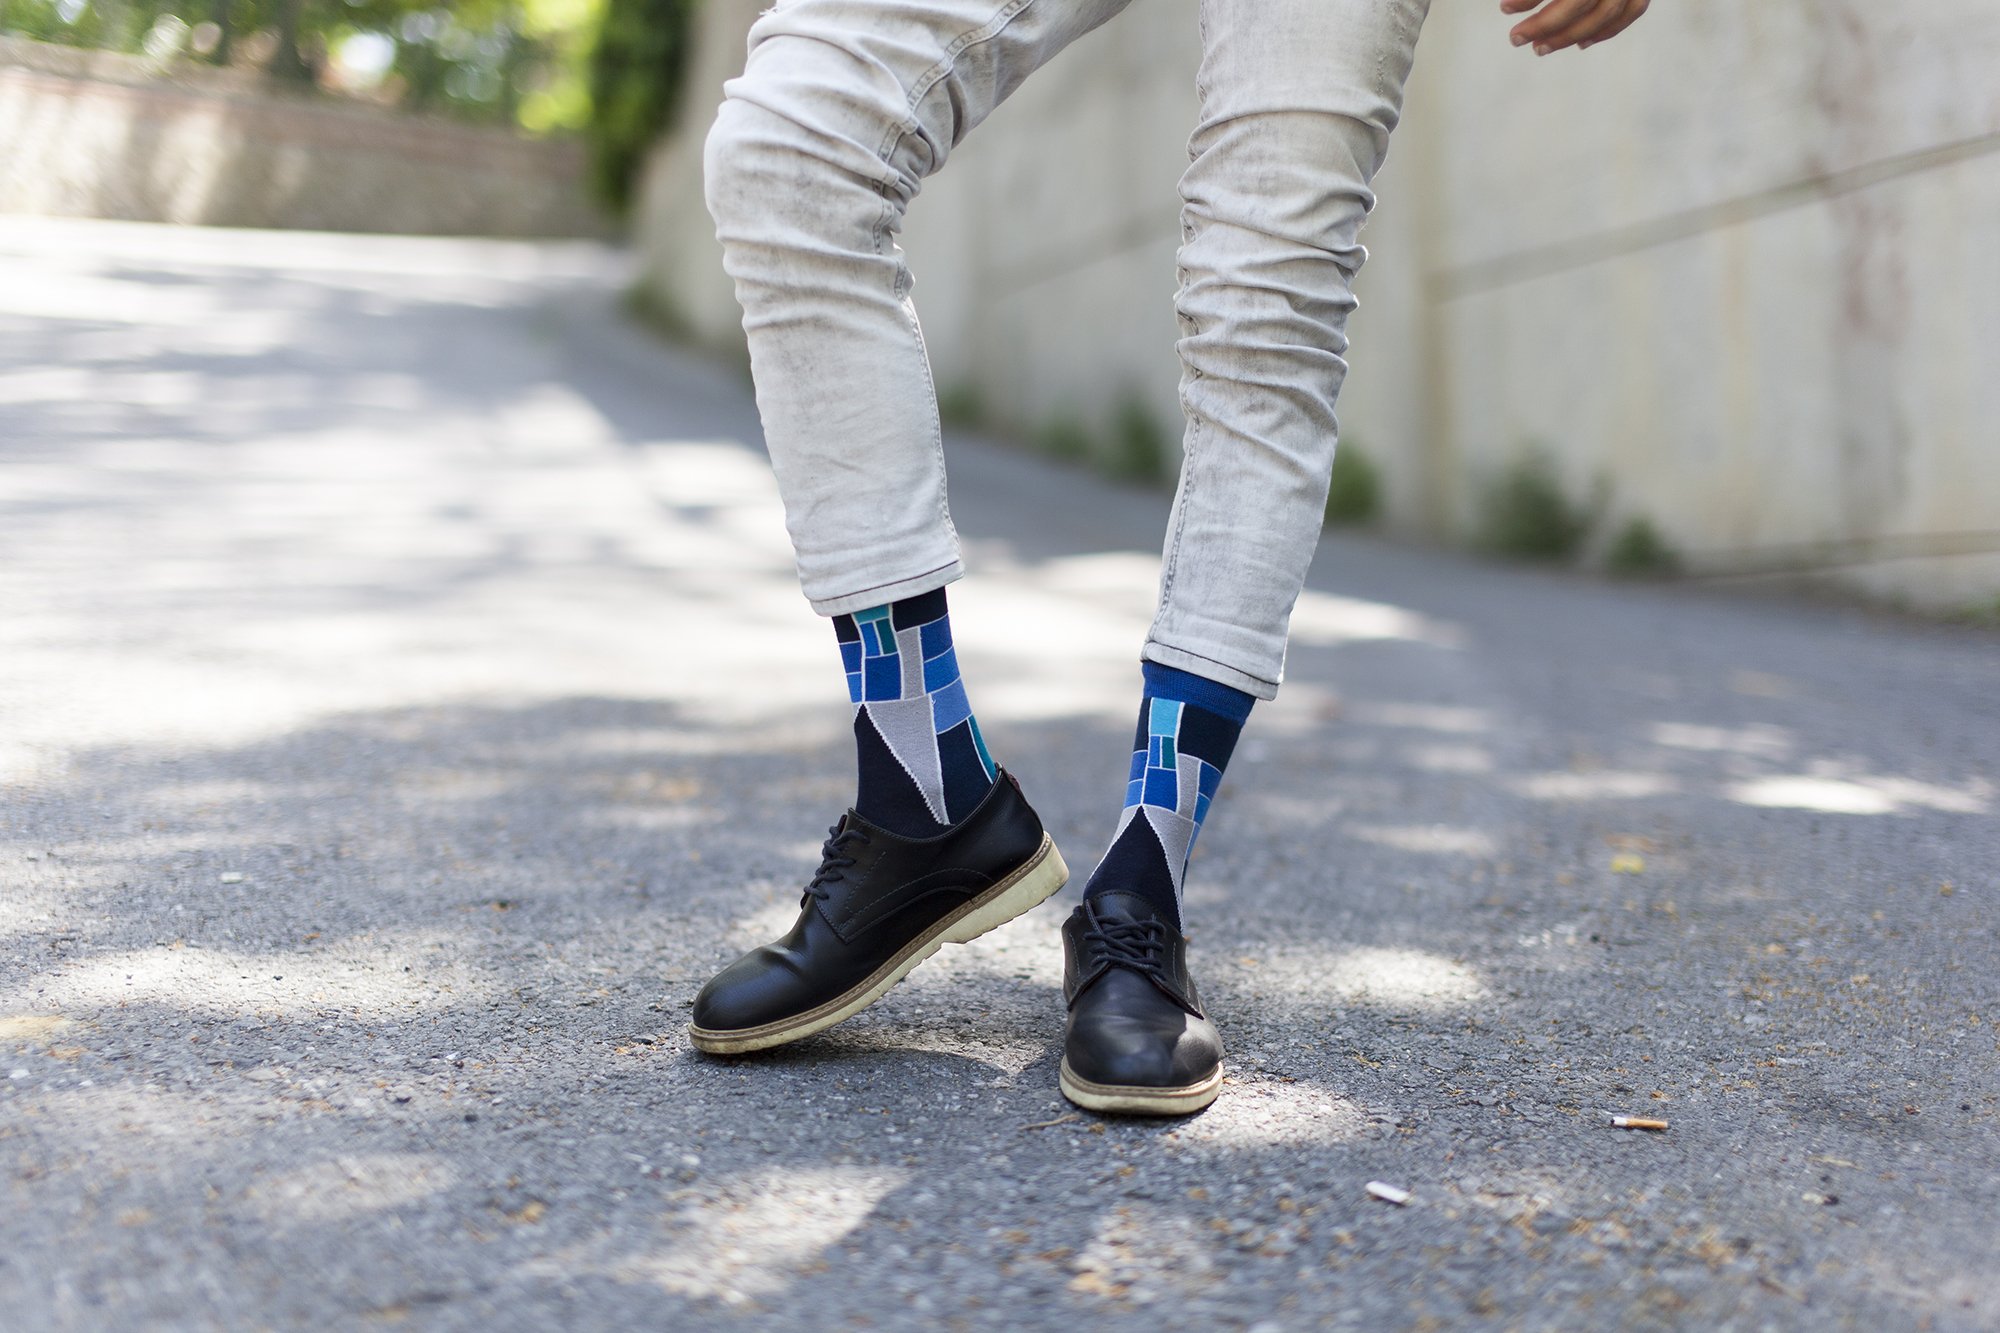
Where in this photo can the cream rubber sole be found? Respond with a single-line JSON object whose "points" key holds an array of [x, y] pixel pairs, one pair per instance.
{"points": [[1036, 880], [1116, 1099]]}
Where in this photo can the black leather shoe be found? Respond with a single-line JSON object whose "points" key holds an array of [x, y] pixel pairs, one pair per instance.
{"points": [[1137, 1041], [880, 904]]}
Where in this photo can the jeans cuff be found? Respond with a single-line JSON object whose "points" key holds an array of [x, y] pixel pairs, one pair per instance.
{"points": [[1209, 669], [881, 594]]}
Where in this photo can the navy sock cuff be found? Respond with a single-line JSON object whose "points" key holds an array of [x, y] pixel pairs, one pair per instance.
{"points": [[919, 610], [1165, 682]]}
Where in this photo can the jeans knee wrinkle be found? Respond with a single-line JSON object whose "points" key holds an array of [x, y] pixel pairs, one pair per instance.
{"points": [[1269, 221], [912, 124], [920, 88]]}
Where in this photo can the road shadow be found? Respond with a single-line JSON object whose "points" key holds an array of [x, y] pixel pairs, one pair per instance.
{"points": [[381, 814]]}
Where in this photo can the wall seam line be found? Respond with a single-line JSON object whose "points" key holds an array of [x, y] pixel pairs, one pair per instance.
{"points": [[1485, 275]]}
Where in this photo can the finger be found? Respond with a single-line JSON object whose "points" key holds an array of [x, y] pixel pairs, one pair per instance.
{"points": [[1583, 28], [1603, 25], [1543, 27], [1517, 6], [1633, 11]]}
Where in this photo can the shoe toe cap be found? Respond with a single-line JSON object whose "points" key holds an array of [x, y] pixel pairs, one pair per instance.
{"points": [[1144, 1062], [756, 989], [1141, 1045]]}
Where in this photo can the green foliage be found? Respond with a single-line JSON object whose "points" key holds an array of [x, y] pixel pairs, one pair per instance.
{"points": [[1138, 444], [1984, 614], [961, 405], [510, 61], [566, 30], [651, 307], [113, 25], [636, 73], [1354, 491], [1065, 436], [1639, 551], [1526, 513]]}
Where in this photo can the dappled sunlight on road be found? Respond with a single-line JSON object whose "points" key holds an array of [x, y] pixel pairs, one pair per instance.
{"points": [[397, 976], [24, 910], [1319, 982], [1435, 839], [768, 922], [1448, 758], [278, 640], [1322, 620], [140, 254], [1275, 1113], [1759, 739], [323, 564], [1426, 717], [34, 1027], [406, 703], [1606, 785], [1303, 710], [348, 1186], [1863, 795], [129, 1127], [1145, 1254], [1098, 607], [753, 1235]]}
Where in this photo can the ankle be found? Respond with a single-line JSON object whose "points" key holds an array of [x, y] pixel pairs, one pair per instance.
{"points": [[922, 763]]}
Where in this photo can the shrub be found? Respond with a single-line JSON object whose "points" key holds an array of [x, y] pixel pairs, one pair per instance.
{"points": [[1978, 613], [1354, 491], [636, 72], [1639, 551], [962, 405], [1064, 436], [1527, 514], [1138, 444]]}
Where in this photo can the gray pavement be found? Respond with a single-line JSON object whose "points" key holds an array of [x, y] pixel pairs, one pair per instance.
{"points": [[405, 703]]}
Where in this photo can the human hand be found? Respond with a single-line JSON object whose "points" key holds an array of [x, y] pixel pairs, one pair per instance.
{"points": [[1577, 23]]}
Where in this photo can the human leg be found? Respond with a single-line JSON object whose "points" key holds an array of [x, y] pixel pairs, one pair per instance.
{"points": [[1298, 99], [843, 108], [1187, 730]]}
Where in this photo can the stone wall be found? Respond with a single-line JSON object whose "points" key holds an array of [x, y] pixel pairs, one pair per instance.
{"points": [[1734, 272], [89, 134]]}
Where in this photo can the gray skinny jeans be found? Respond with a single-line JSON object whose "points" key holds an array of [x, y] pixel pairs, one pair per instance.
{"points": [[845, 106]]}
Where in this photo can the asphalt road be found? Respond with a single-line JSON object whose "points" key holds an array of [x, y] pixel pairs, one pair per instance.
{"points": [[405, 704]]}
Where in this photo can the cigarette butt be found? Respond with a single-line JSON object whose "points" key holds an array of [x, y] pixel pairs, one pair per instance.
{"points": [[1388, 1193], [1636, 1122]]}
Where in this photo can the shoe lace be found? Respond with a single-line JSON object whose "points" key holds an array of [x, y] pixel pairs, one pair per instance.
{"points": [[833, 860], [1139, 945]]}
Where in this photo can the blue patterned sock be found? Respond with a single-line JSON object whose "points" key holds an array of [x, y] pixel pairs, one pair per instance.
{"points": [[923, 764], [1188, 726]]}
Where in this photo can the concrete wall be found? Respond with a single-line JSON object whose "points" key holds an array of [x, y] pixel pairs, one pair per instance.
{"points": [[1736, 272], [89, 134], [1741, 263], [680, 265]]}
